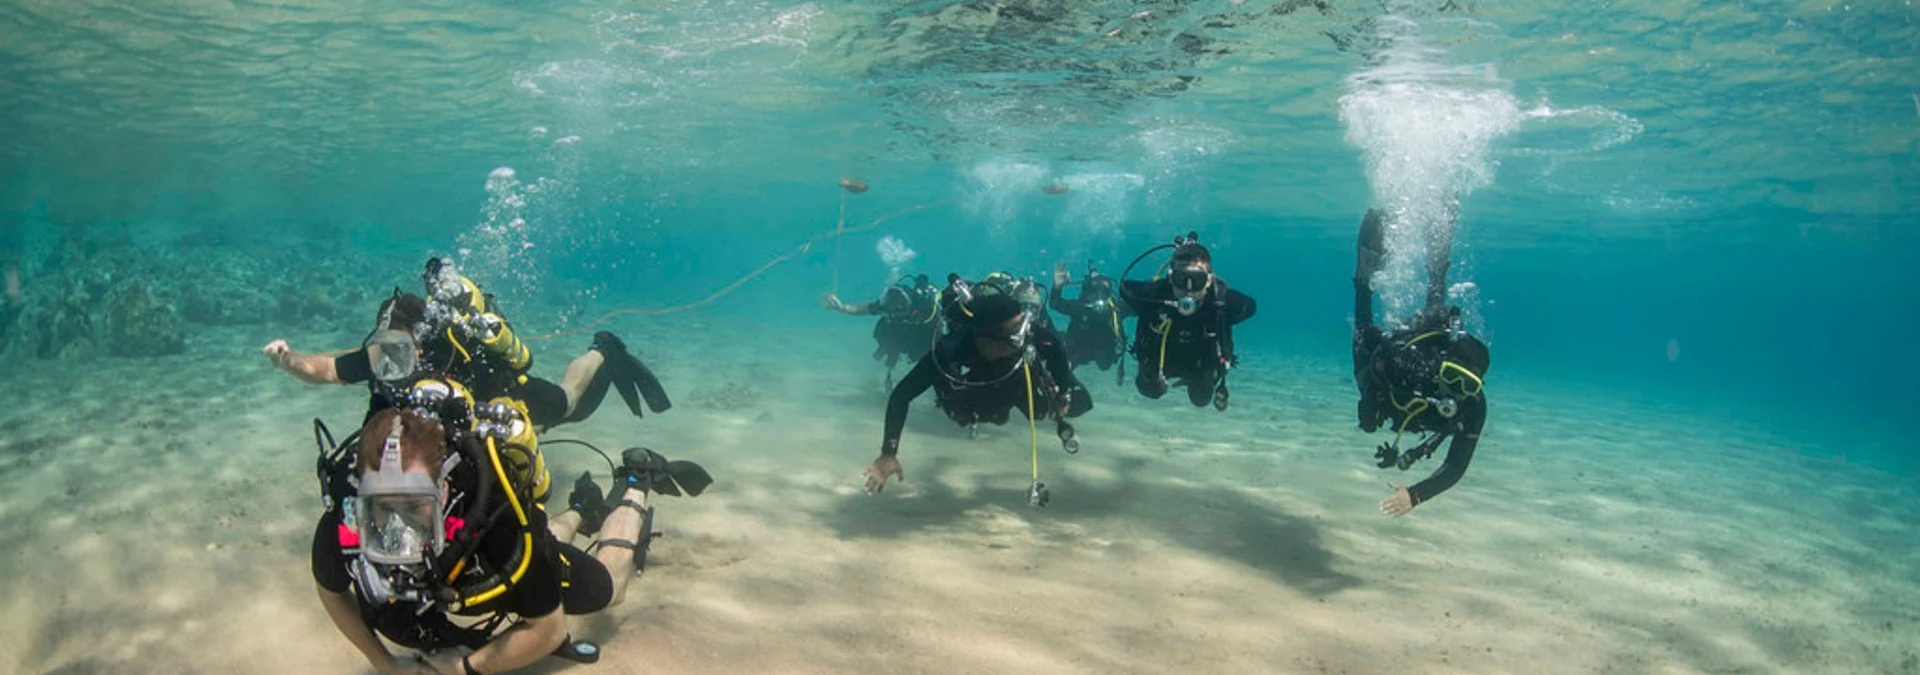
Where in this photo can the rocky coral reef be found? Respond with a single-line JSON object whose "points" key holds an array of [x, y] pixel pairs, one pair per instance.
{"points": [[98, 293]]}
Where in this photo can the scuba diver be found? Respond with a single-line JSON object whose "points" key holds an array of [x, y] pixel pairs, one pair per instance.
{"points": [[1024, 290], [993, 361], [1185, 327], [1093, 321], [431, 513], [457, 331], [909, 313], [1425, 377]]}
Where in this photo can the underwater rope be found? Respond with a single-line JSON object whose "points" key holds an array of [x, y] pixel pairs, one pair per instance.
{"points": [[802, 249]]}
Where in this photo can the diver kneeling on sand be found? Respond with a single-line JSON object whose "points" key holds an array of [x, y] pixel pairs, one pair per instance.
{"points": [[457, 332], [1426, 377], [993, 361], [431, 514], [1185, 326], [909, 313]]}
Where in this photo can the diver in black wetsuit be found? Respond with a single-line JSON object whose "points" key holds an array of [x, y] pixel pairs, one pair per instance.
{"points": [[457, 332], [1424, 378], [994, 360], [909, 319], [1093, 321], [1025, 290], [1185, 327]]}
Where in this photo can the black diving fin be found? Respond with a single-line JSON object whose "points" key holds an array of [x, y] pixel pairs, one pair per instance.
{"points": [[673, 478], [624, 373], [1371, 253]]}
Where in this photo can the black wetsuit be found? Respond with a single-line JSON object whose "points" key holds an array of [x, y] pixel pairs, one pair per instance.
{"points": [[1387, 368], [988, 392], [1093, 331], [1199, 349], [558, 575], [909, 332]]}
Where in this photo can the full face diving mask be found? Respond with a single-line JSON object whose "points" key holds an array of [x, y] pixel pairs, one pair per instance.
{"points": [[393, 355], [400, 513]]}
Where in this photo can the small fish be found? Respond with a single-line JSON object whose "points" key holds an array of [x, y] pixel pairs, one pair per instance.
{"points": [[853, 186], [13, 285], [1055, 189]]}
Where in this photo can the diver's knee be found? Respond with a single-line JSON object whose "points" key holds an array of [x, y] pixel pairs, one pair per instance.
{"points": [[1150, 386]]}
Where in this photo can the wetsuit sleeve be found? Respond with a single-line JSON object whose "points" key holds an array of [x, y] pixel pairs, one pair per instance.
{"points": [[1139, 296], [1239, 307], [329, 565], [1054, 357], [1459, 453], [353, 367], [1068, 308], [916, 382]]}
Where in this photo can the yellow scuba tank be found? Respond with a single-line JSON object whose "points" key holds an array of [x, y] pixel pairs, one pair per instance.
{"points": [[496, 336], [522, 447], [473, 309], [519, 447]]}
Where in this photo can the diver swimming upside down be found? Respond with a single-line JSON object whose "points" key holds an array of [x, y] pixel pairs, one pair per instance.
{"points": [[1426, 377]]}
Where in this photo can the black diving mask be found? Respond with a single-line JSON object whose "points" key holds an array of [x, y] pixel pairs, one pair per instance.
{"points": [[1189, 285]]}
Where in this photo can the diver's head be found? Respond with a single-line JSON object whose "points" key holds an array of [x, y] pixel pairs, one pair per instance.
{"points": [[920, 281], [1027, 293], [1000, 327], [1191, 274], [401, 498], [393, 346], [1097, 290]]}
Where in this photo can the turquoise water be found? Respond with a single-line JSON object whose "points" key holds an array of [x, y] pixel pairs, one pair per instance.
{"points": [[1707, 208], [1739, 179]]}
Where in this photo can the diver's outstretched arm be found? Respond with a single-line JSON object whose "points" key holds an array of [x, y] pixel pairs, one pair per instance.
{"points": [[320, 368], [916, 382], [344, 610], [1459, 453]]}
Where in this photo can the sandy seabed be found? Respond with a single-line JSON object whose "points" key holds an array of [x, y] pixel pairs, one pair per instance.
{"points": [[158, 514]]}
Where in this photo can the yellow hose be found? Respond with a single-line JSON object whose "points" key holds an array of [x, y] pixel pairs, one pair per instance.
{"points": [[1033, 428]]}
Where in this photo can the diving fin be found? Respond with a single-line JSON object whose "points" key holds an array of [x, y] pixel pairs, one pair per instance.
{"points": [[1371, 253], [673, 478], [692, 478], [577, 651], [630, 376], [625, 374]]}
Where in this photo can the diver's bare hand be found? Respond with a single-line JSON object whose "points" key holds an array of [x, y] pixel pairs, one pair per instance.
{"points": [[1399, 504], [880, 470], [830, 301], [277, 351], [1060, 276]]}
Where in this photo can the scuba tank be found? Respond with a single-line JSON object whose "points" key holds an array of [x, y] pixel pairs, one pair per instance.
{"points": [[455, 301]]}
